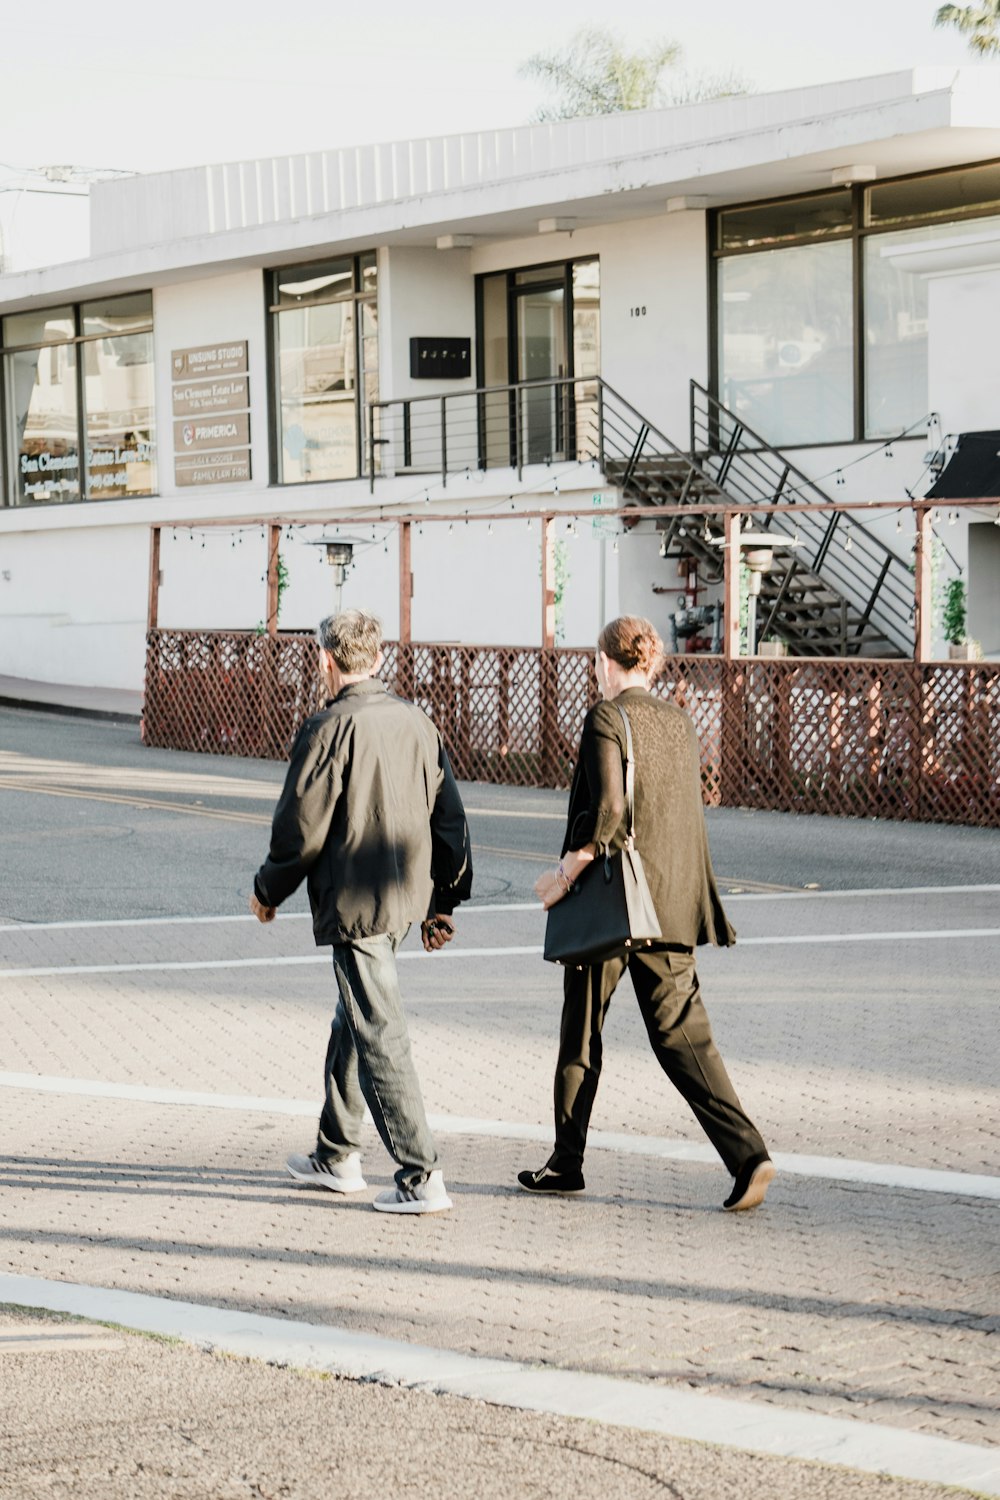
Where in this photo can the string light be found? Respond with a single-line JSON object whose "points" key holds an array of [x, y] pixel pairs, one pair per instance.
{"points": [[952, 518], [848, 544], [663, 541], [899, 525], [615, 545]]}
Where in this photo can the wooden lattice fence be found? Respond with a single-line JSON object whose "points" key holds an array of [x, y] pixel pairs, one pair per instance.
{"points": [[850, 737]]}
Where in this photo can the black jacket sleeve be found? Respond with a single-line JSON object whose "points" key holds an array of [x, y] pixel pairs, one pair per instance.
{"points": [[451, 847], [601, 787], [302, 818]]}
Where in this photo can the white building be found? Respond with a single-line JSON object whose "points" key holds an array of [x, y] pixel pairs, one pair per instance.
{"points": [[824, 261]]}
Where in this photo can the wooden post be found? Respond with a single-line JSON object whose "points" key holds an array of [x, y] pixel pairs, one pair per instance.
{"points": [[549, 583], [405, 584], [273, 543], [153, 607], [731, 586], [922, 604], [405, 678]]}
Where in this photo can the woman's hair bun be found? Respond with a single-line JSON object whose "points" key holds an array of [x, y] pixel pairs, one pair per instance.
{"points": [[633, 643]]}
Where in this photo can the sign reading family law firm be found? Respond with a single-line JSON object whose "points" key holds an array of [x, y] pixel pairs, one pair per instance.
{"points": [[212, 468], [211, 397], [192, 397], [209, 359]]}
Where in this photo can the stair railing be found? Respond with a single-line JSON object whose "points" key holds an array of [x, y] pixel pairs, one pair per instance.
{"points": [[836, 547]]}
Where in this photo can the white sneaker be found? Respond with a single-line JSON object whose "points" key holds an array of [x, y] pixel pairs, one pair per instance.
{"points": [[339, 1176], [427, 1197]]}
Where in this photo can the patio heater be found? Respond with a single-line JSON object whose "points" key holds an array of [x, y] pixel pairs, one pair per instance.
{"points": [[339, 555], [757, 552]]}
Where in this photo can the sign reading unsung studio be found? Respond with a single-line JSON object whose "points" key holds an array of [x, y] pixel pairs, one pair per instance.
{"points": [[211, 397]]}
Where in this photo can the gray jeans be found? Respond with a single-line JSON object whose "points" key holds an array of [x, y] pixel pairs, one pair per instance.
{"points": [[368, 1061]]}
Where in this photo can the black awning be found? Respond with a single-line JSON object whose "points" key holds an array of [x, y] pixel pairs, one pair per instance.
{"points": [[973, 472]]}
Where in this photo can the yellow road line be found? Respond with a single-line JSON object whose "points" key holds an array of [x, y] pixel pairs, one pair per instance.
{"points": [[261, 820], [145, 804]]}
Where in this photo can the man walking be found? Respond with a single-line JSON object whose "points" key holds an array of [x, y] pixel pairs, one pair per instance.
{"points": [[371, 817]]}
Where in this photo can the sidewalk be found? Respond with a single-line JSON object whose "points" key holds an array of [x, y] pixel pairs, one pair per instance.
{"points": [[65, 698], [190, 1424]]}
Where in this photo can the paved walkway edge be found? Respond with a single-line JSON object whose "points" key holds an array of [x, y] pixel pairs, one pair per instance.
{"points": [[954, 1184], [775, 1431]]}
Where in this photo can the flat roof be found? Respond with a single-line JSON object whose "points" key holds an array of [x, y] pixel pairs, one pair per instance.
{"points": [[163, 227]]}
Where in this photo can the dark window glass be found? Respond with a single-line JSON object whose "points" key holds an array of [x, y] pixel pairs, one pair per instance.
{"points": [[937, 197], [793, 218], [117, 314], [540, 274], [324, 281], [38, 327]]}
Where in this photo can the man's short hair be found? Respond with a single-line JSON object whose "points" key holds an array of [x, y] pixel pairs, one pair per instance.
{"points": [[353, 638]]}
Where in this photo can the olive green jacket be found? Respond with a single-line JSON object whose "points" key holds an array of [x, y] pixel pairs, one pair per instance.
{"points": [[670, 831]]}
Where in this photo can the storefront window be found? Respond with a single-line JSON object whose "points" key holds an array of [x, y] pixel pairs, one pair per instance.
{"points": [[823, 336], [785, 357], [326, 352], [78, 402]]}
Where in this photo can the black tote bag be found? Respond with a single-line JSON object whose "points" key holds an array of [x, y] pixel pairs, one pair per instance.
{"points": [[608, 911]]}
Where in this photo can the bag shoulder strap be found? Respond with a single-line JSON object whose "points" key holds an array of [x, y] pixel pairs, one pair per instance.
{"points": [[629, 773]]}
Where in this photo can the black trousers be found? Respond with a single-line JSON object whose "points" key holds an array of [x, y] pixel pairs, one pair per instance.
{"points": [[666, 987]]}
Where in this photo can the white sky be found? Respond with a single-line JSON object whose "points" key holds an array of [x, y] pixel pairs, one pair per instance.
{"points": [[110, 84]]}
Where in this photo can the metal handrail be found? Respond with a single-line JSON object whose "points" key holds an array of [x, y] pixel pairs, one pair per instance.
{"points": [[615, 418], [876, 578]]}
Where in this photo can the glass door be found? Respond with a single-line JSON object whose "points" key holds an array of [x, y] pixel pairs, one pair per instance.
{"points": [[537, 328], [541, 356]]}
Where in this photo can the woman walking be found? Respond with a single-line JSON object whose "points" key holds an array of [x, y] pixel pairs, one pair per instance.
{"points": [[670, 834]]}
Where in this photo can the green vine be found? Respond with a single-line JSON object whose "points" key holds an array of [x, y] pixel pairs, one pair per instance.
{"points": [[953, 618], [281, 568]]}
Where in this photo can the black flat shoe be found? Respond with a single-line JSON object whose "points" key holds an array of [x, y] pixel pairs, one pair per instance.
{"points": [[751, 1185], [545, 1181]]}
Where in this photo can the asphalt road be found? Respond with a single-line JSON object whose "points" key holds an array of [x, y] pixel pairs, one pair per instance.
{"points": [[99, 827], [147, 1110]]}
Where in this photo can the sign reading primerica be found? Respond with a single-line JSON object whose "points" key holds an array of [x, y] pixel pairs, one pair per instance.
{"points": [[211, 397], [203, 434], [209, 359]]}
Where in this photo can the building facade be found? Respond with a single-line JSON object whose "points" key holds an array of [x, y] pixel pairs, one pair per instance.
{"points": [[494, 325]]}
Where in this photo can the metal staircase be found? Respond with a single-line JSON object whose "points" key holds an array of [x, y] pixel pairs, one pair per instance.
{"points": [[840, 592]]}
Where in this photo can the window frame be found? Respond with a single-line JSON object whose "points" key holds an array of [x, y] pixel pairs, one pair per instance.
{"points": [[76, 340], [273, 309], [859, 232]]}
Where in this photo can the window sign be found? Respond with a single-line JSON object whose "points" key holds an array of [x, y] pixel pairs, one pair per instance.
{"points": [[79, 411]]}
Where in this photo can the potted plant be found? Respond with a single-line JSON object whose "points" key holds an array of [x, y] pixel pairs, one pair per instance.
{"points": [[953, 622]]}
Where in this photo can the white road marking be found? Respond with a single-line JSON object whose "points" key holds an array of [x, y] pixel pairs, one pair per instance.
{"points": [[508, 906], [747, 1426], [528, 951], [834, 1168]]}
